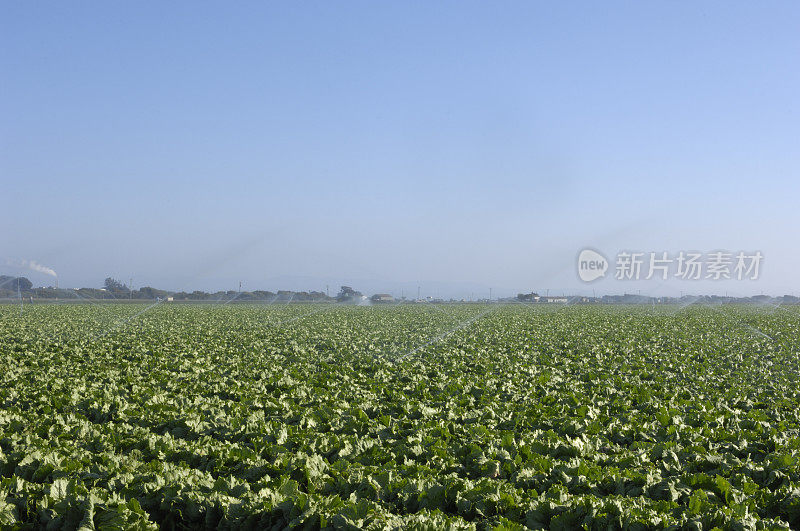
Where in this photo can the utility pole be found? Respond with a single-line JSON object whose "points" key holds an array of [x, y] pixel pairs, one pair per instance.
{"points": [[130, 289], [417, 292], [490, 294], [240, 286]]}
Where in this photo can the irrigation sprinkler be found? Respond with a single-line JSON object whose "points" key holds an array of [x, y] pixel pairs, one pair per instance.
{"points": [[232, 298], [129, 319], [741, 323], [459, 326]]}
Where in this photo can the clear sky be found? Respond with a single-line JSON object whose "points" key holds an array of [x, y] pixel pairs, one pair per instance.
{"points": [[453, 145]]}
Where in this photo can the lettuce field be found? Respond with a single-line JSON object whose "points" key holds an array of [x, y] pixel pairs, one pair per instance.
{"points": [[399, 417]]}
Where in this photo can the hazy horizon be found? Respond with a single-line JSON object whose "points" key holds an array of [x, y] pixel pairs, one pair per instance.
{"points": [[458, 147]]}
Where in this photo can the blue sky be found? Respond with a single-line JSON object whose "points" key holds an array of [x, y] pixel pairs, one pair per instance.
{"points": [[458, 145]]}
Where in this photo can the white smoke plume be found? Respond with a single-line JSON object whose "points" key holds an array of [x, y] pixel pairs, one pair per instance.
{"points": [[33, 266]]}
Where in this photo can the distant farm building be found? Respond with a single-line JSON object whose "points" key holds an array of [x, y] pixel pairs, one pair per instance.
{"points": [[382, 297]]}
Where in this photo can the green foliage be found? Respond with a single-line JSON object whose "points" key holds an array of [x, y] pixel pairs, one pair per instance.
{"points": [[258, 417]]}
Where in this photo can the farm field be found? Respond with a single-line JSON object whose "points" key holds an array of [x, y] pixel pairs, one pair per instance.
{"points": [[409, 416]]}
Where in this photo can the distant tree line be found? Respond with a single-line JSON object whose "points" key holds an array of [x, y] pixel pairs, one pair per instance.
{"points": [[15, 286], [257, 295], [113, 289]]}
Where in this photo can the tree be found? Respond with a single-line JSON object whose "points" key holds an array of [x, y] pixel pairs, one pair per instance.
{"points": [[112, 284], [152, 293], [11, 283], [347, 293]]}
